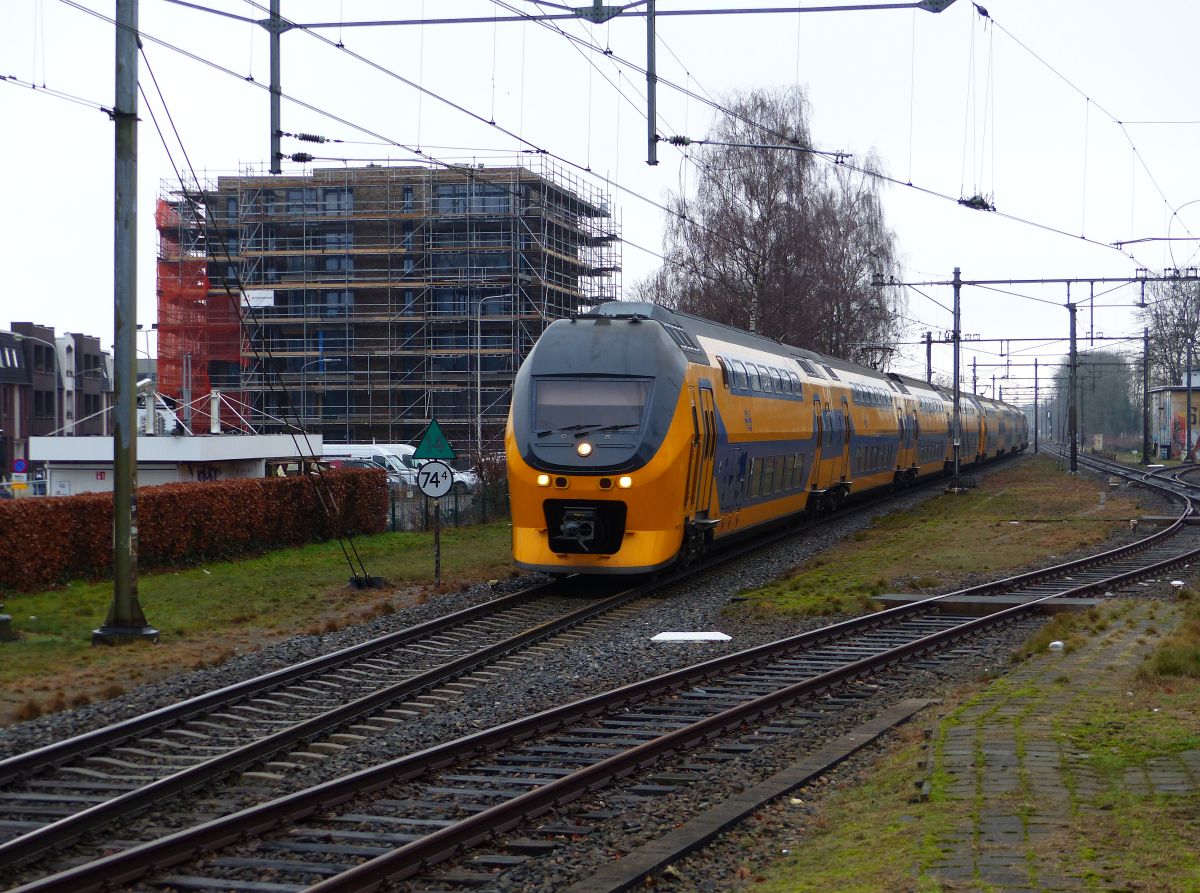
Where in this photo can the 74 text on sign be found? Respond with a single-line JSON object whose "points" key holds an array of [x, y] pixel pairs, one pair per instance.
{"points": [[435, 479]]}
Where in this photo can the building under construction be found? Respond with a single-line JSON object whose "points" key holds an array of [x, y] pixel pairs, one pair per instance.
{"points": [[363, 302]]}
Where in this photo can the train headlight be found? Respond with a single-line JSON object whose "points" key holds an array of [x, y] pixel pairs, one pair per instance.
{"points": [[583, 448], [543, 480], [624, 482]]}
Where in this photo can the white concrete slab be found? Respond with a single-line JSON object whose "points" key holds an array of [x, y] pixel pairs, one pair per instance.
{"points": [[691, 637]]}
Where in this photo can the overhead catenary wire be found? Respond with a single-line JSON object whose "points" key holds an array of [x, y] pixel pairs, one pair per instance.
{"points": [[621, 188], [56, 94], [1120, 124], [862, 170], [859, 169]]}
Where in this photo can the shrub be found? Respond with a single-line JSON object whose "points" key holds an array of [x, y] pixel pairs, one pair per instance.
{"points": [[51, 540]]}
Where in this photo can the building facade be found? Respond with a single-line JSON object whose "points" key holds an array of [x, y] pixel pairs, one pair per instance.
{"points": [[362, 302], [15, 391], [1169, 420], [50, 385]]}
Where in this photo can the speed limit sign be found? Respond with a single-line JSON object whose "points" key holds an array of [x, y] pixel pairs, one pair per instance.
{"points": [[435, 479]]}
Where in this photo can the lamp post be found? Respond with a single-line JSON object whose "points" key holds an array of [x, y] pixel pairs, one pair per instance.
{"points": [[304, 385], [54, 358], [479, 367], [153, 327]]}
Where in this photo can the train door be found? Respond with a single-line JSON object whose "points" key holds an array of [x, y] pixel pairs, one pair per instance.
{"points": [[845, 439], [708, 451], [693, 469], [733, 484], [820, 416]]}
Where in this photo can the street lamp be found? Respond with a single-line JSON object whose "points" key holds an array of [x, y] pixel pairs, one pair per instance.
{"points": [[479, 367], [54, 357], [304, 385]]}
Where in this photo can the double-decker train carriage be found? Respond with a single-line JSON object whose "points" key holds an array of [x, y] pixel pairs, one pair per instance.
{"points": [[639, 435]]}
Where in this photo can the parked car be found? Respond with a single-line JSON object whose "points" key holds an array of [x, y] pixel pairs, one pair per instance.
{"points": [[380, 454], [396, 481]]}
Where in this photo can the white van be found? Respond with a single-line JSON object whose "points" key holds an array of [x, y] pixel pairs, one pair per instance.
{"points": [[464, 481]]}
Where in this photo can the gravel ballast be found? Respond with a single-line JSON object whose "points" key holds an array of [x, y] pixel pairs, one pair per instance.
{"points": [[617, 653]]}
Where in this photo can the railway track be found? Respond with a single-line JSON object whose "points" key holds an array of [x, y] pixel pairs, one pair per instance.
{"points": [[276, 722], [300, 713], [398, 819]]}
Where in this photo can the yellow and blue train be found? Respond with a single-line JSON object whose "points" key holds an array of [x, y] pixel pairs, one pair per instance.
{"points": [[638, 436]]}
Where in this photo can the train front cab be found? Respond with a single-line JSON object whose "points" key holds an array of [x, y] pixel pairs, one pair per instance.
{"points": [[602, 494]]}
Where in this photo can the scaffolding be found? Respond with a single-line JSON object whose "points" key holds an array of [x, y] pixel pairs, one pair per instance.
{"points": [[383, 297], [199, 331]]}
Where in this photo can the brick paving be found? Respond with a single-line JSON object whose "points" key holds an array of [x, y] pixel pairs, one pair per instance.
{"points": [[1004, 756]]}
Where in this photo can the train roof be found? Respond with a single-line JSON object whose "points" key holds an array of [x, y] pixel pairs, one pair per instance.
{"points": [[699, 326]]}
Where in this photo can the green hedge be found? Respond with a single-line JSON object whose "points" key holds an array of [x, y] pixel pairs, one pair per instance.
{"points": [[45, 541]]}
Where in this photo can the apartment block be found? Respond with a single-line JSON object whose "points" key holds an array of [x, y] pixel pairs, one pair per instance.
{"points": [[363, 302]]}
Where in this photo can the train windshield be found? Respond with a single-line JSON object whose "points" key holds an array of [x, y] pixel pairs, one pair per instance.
{"points": [[579, 404]]}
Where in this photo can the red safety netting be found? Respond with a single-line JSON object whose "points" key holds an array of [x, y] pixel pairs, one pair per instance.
{"points": [[194, 323]]}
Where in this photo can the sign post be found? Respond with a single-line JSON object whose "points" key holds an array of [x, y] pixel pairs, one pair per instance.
{"points": [[435, 478]]}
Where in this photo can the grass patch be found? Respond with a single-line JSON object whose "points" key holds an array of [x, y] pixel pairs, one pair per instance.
{"points": [[207, 614], [1114, 835], [1072, 628], [870, 837], [1178, 655], [1125, 838], [1018, 515]]}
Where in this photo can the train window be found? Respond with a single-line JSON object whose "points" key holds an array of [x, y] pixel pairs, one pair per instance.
{"points": [[764, 379], [560, 403], [755, 377], [756, 471], [682, 338], [798, 474], [831, 373], [768, 482], [789, 466], [740, 379], [797, 385], [726, 374]]}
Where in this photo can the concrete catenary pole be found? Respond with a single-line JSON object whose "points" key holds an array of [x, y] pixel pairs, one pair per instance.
{"points": [[956, 338], [125, 620], [1146, 396], [1036, 406], [1072, 405]]}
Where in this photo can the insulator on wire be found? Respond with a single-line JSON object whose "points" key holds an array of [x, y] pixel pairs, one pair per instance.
{"points": [[300, 156], [310, 138], [679, 140]]}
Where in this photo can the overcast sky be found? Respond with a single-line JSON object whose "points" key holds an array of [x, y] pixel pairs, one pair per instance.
{"points": [[1075, 115]]}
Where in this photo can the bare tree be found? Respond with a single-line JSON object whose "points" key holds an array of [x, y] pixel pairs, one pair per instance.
{"points": [[1105, 390], [1173, 316], [778, 242]]}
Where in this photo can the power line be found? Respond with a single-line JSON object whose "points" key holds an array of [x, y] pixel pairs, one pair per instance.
{"points": [[324, 494]]}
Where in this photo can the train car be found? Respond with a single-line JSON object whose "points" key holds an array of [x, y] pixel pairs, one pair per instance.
{"points": [[639, 436]]}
